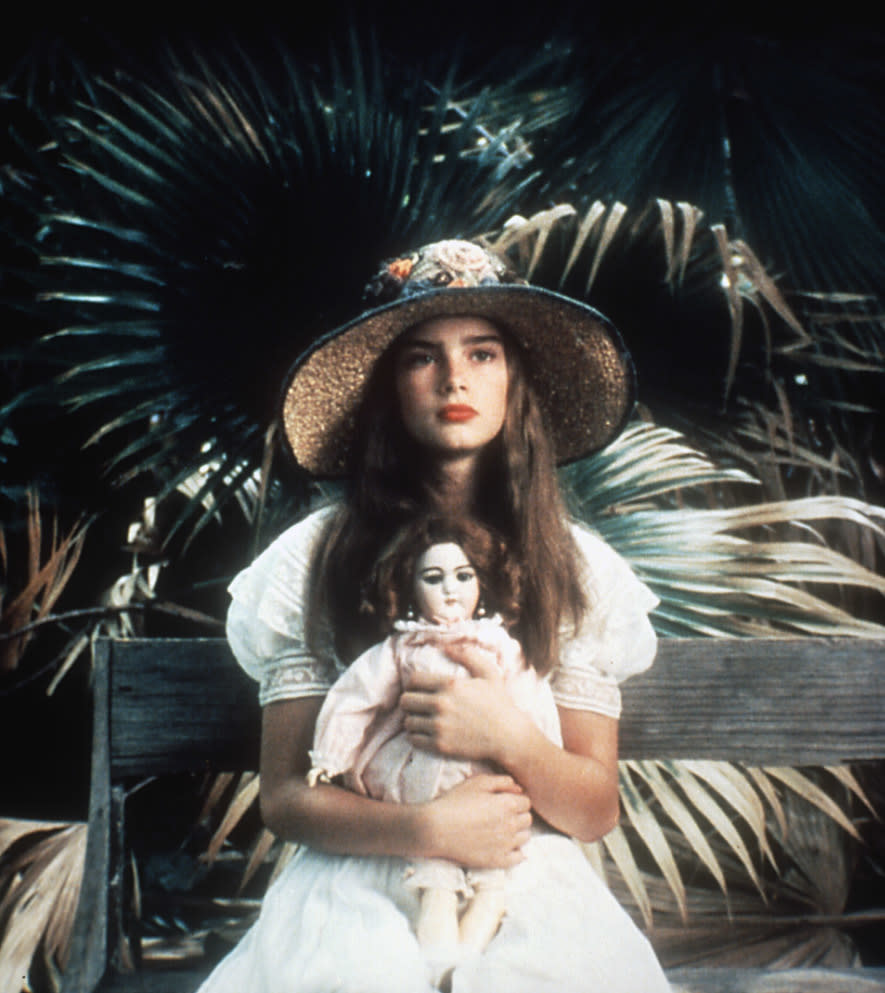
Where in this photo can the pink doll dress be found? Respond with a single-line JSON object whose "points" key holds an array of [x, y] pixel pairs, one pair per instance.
{"points": [[360, 733], [345, 924]]}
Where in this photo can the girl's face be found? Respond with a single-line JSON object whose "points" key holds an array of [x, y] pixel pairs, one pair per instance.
{"points": [[451, 381], [446, 586]]}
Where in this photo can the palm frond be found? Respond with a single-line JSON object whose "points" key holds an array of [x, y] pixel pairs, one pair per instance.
{"points": [[722, 117], [41, 869], [721, 566], [720, 570], [38, 576], [218, 203], [717, 339]]}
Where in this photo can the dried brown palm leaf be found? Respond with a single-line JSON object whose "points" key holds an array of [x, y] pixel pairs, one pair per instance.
{"points": [[620, 851], [42, 584], [529, 236], [847, 778], [813, 795], [585, 229], [648, 827], [706, 804], [42, 869], [691, 218], [245, 796], [680, 814], [616, 214], [260, 851]]}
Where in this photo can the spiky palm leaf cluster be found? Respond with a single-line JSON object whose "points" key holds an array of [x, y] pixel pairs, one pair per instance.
{"points": [[215, 198], [193, 228], [196, 233]]}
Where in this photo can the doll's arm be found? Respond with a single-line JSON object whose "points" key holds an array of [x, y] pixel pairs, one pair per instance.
{"points": [[370, 685]]}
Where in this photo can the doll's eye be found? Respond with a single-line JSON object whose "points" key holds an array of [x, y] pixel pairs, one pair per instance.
{"points": [[431, 578], [465, 575]]}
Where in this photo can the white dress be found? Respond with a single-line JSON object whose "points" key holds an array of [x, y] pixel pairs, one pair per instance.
{"points": [[344, 924]]}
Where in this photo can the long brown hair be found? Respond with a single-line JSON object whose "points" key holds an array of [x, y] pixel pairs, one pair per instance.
{"points": [[517, 495]]}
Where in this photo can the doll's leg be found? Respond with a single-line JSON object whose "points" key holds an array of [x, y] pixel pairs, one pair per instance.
{"points": [[437, 931], [437, 924], [482, 918], [485, 910], [440, 886]]}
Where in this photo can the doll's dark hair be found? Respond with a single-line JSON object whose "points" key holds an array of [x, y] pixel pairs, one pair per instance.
{"points": [[517, 495], [389, 592]]}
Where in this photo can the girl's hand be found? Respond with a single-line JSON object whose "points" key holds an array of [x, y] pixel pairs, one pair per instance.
{"points": [[472, 718], [482, 823]]}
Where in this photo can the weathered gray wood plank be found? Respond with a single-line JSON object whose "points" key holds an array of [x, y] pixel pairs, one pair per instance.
{"points": [[156, 981], [713, 980], [684, 980], [180, 704], [89, 940], [798, 701]]}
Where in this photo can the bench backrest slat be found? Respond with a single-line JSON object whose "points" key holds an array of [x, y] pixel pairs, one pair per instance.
{"points": [[784, 701], [182, 704]]}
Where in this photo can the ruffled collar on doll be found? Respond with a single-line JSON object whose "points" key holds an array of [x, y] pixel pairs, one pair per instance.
{"points": [[468, 626]]}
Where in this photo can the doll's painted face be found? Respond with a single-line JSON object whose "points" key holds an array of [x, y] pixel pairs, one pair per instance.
{"points": [[446, 586]]}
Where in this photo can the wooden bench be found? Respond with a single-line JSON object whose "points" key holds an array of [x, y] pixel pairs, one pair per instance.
{"points": [[165, 706]]}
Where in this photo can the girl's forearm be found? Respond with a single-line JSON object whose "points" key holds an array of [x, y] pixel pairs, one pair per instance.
{"points": [[484, 822], [575, 791], [332, 819], [326, 817]]}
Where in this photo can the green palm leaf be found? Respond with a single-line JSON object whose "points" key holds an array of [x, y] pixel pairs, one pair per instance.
{"points": [[719, 571], [174, 219], [710, 578]]}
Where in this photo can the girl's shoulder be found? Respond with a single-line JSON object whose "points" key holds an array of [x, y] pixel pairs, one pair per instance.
{"points": [[303, 536], [287, 558], [596, 553], [616, 634]]}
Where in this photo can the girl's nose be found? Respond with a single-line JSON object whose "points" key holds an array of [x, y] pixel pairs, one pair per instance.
{"points": [[452, 375]]}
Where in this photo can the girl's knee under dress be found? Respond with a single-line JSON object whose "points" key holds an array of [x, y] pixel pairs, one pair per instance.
{"points": [[341, 924]]}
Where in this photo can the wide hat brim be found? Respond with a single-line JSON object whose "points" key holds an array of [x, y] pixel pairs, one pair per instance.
{"points": [[574, 357]]}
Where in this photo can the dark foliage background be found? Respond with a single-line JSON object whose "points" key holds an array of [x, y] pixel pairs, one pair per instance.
{"points": [[770, 122]]}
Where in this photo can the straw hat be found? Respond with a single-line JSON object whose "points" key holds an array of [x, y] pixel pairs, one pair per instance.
{"points": [[581, 372]]}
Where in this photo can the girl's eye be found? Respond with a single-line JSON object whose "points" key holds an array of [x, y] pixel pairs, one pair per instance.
{"points": [[432, 579], [484, 355], [465, 576], [417, 360]]}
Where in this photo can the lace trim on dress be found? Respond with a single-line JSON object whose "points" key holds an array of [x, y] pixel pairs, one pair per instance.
{"points": [[286, 678], [586, 689]]}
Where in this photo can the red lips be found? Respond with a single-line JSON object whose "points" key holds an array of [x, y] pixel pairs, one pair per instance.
{"points": [[457, 413]]}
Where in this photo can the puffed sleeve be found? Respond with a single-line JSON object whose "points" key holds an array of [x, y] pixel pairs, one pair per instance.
{"points": [[615, 639], [266, 619]]}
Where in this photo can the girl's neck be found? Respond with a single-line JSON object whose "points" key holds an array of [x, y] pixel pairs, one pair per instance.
{"points": [[451, 485]]}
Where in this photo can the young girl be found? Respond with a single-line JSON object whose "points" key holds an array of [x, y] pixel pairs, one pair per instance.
{"points": [[456, 393], [434, 587]]}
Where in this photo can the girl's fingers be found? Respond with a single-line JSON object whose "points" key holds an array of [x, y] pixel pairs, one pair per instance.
{"points": [[479, 662], [414, 702], [426, 682]]}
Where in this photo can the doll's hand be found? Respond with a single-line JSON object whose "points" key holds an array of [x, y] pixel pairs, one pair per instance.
{"points": [[471, 718], [482, 823]]}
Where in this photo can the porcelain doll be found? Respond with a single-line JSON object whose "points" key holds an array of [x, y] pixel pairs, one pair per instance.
{"points": [[442, 583]]}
